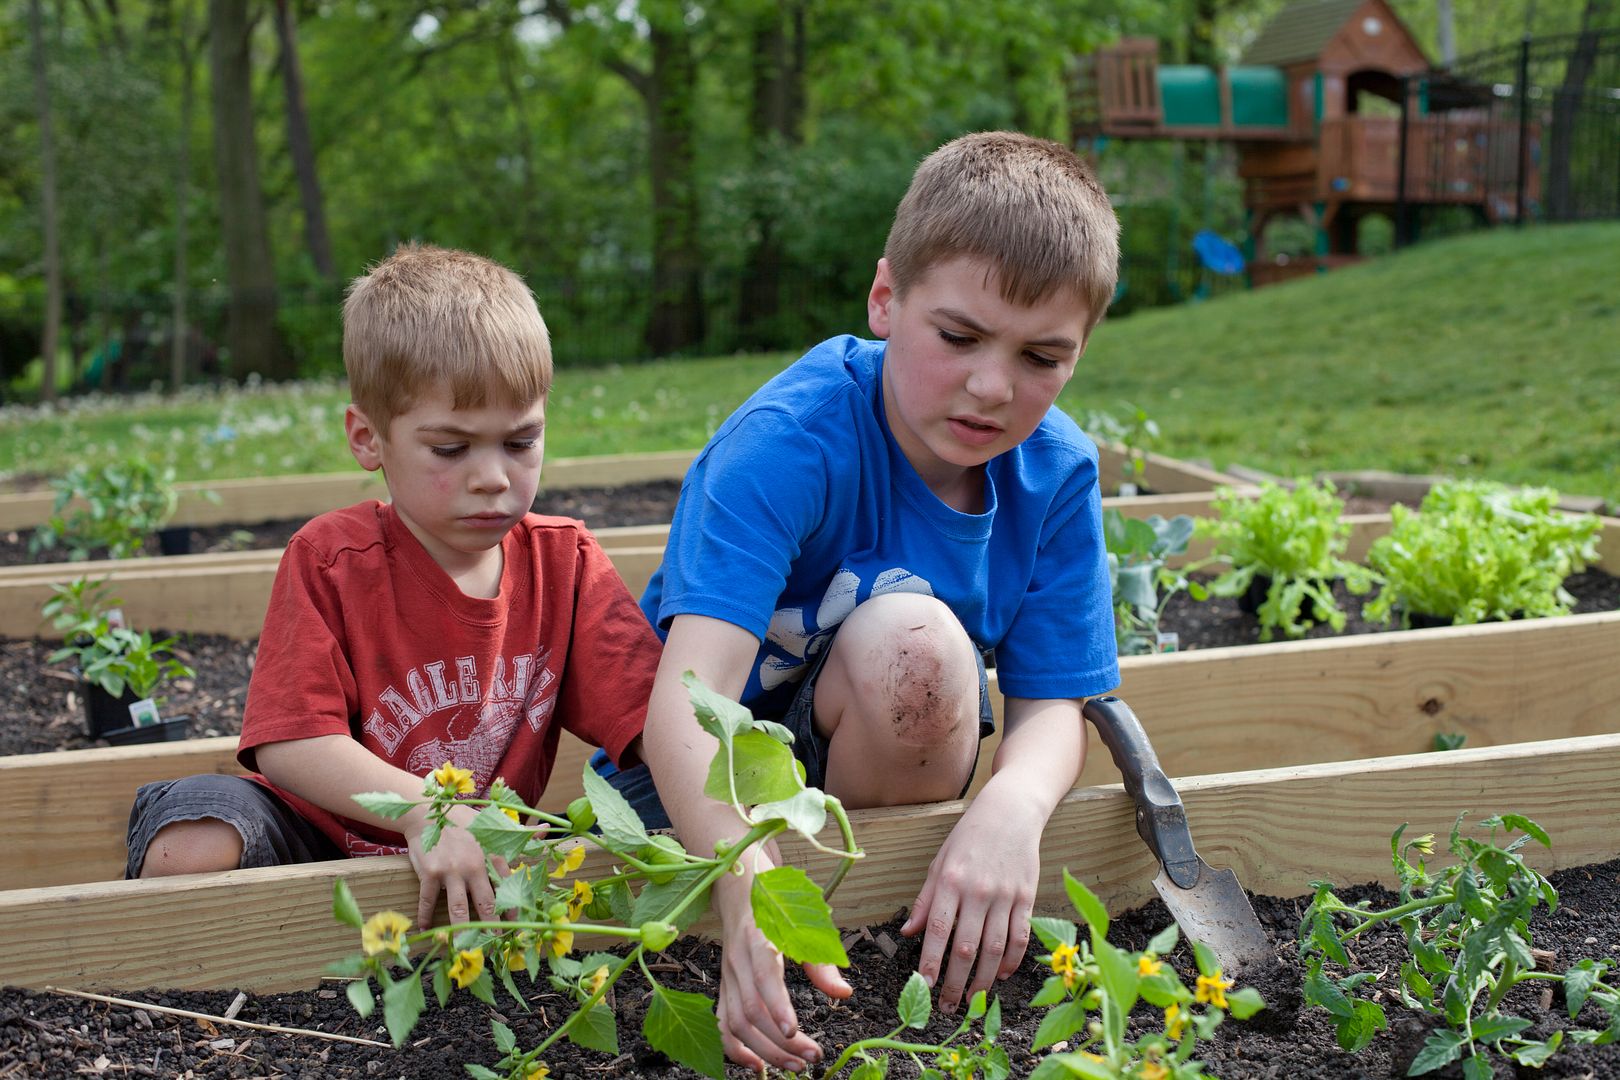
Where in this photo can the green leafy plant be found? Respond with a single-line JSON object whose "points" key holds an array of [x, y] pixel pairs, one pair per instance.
{"points": [[1467, 933], [1294, 538], [1138, 554], [1477, 551], [111, 507], [1094, 976], [1137, 434], [114, 658], [936, 1061], [651, 893]]}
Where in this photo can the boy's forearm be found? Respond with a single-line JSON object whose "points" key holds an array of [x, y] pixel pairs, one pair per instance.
{"points": [[329, 770], [1041, 753]]}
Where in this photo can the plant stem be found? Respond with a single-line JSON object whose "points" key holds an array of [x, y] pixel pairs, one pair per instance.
{"points": [[1374, 917], [888, 1042], [634, 956]]}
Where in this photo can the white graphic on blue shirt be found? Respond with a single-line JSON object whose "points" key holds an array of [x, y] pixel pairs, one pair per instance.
{"points": [[792, 642]]}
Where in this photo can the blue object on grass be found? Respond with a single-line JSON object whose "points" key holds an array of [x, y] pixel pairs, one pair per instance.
{"points": [[1216, 253]]}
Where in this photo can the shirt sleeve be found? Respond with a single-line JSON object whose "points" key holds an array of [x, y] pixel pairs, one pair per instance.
{"points": [[612, 656], [302, 684], [1061, 642], [746, 511]]}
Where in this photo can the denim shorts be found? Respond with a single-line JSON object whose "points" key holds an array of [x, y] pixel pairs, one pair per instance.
{"points": [[809, 746], [273, 833]]}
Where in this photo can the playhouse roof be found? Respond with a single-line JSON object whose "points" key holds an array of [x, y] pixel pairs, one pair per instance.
{"points": [[1300, 31]]}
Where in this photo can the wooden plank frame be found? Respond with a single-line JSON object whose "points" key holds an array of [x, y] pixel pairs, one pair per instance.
{"points": [[1207, 711], [272, 929]]}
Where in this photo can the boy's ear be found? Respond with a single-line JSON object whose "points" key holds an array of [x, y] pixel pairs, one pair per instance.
{"points": [[879, 299], [365, 440]]}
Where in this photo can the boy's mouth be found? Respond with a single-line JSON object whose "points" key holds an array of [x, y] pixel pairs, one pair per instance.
{"points": [[973, 430]]}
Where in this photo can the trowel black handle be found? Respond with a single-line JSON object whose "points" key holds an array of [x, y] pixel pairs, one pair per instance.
{"points": [[1160, 818]]}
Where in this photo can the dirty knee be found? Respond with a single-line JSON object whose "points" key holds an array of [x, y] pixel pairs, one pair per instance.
{"points": [[920, 666]]}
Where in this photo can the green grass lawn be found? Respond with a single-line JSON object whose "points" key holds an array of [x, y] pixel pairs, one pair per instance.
{"points": [[1495, 354]]}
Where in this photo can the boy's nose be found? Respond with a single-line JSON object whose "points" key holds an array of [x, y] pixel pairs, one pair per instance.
{"points": [[990, 383], [488, 476]]}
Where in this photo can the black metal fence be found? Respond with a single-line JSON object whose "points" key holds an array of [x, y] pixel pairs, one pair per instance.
{"points": [[1535, 124]]}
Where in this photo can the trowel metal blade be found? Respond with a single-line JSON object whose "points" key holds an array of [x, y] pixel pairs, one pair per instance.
{"points": [[1217, 912]]}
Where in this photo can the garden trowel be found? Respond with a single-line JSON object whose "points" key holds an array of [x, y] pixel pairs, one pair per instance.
{"points": [[1209, 904]]}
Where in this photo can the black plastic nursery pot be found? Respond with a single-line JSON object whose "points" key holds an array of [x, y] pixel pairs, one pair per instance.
{"points": [[173, 729], [175, 541], [103, 712]]}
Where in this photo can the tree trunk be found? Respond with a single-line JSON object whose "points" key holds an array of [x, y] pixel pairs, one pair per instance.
{"points": [[254, 341], [1561, 202], [776, 122], [47, 200], [180, 333], [300, 146], [676, 320]]}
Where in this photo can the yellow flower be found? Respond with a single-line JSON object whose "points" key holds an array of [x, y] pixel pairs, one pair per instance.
{"points": [[511, 813], [1212, 989], [516, 958], [467, 966], [452, 779], [598, 977], [562, 942], [953, 1059], [1152, 1070], [1424, 845], [581, 898], [1147, 964], [1174, 1021], [570, 862], [384, 932], [1065, 963], [538, 1071]]}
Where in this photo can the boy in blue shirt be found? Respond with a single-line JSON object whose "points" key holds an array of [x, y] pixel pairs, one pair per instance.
{"points": [[867, 526]]}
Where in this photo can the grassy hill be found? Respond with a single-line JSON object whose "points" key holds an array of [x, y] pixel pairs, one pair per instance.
{"points": [[1495, 354]]}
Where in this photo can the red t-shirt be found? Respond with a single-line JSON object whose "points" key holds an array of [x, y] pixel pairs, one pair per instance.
{"points": [[367, 636]]}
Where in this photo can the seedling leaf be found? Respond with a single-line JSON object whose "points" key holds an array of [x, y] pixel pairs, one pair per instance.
{"points": [[683, 1026], [790, 910]]}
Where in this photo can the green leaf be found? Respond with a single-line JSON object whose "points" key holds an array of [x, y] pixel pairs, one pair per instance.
{"points": [[717, 714], [1208, 962], [344, 908], [596, 1030], [791, 912], [1161, 989], [1164, 940], [682, 1026], [992, 1020], [441, 983], [1050, 993], [1052, 932], [350, 967], [515, 891], [1472, 900], [1535, 1054], [1117, 975], [1490, 1029], [915, 1004], [1354, 1032], [805, 813], [1441, 1048], [1063, 1066], [505, 1039], [1578, 983], [402, 1007], [1528, 827], [1325, 993], [1059, 1024], [761, 769], [479, 1072], [359, 992], [875, 1069], [1476, 1067], [620, 826], [1245, 1003], [388, 804], [1326, 939], [1086, 903], [498, 834], [656, 901]]}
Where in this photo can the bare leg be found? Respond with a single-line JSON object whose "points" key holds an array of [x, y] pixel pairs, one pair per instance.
{"points": [[193, 847], [898, 700]]}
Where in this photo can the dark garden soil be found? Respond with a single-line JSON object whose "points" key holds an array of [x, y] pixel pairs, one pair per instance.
{"points": [[48, 1036]]}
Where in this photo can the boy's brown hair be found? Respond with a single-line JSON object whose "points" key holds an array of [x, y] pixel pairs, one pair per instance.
{"points": [[1029, 207], [428, 316]]}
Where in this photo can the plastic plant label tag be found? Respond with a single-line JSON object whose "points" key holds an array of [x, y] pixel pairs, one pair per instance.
{"points": [[143, 713], [115, 618], [1167, 641], [1127, 489]]}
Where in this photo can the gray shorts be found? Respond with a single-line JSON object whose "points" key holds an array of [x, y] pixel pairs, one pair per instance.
{"points": [[809, 746], [273, 833]]}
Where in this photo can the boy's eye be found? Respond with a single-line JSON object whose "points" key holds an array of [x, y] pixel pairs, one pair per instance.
{"points": [[521, 444], [450, 451], [954, 340], [1041, 360]]}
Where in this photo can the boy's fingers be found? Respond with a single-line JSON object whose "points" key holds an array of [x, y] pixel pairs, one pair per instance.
{"points": [[992, 947], [426, 898], [455, 897], [829, 980], [970, 929], [483, 898], [919, 909], [1017, 938], [939, 918]]}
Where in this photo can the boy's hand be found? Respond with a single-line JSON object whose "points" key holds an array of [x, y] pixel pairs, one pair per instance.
{"points": [[758, 1026], [455, 867], [981, 884]]}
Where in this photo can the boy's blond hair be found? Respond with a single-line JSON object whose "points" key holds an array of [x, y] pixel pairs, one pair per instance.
{"points": [[1029, 207], [429, 316]]}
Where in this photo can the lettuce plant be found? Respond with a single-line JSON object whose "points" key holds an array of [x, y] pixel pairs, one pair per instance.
{"points": [[1476, 551], [111, 507], [1293, 538]]}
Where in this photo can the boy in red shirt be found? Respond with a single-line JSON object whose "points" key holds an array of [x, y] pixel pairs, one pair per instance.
{"points": [[449, 624]]}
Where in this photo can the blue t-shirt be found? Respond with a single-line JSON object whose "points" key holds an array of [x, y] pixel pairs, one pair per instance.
{"points": [[803, 506]]}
